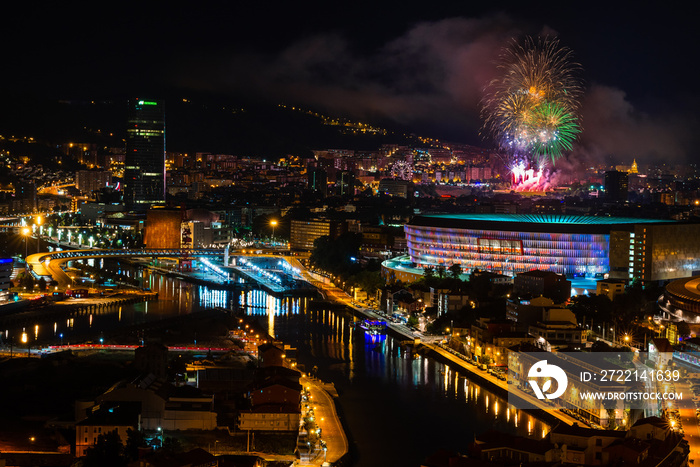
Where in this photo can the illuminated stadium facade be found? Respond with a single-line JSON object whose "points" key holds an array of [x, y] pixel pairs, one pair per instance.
{"points": [[578, 246], [682, 298]]}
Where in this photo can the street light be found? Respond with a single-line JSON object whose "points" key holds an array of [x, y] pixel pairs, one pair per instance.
{"points": [[25, 340], [39, 222], [25, 232], [273, 223]]}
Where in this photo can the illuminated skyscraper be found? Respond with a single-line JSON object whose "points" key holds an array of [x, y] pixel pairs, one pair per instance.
{"points": [[144, 164], [616, 186], [345, 183], [318, 180]]}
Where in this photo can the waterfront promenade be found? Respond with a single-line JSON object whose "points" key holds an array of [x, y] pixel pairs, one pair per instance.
{"points": [[326, 418], [430, 342], [336, 294], [495, 384], [689, 420]]}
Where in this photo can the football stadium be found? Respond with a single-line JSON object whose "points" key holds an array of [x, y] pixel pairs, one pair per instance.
{"points": [[578, 246]]}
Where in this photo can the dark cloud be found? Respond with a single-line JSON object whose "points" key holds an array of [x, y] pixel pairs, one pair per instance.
{"points": [[428, 78], [614, 129], [432, 74]]}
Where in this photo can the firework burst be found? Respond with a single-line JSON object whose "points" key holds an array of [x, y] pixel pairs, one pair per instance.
{"points": [[531, 108]]}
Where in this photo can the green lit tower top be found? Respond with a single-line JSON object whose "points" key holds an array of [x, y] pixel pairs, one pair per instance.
{"points": [[144, 164]]}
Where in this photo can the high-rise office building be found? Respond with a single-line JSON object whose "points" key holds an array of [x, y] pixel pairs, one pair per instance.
{"points": [[345, 183], [616, 186], [318, 180], [25, 196], [88, 181], [303, 233], [144, 163]]}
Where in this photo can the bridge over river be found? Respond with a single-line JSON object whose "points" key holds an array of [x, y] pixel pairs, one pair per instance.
{"points": [[50, 265]]}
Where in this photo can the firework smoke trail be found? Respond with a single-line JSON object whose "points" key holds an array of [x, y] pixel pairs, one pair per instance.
{"points": [[532, 108]]}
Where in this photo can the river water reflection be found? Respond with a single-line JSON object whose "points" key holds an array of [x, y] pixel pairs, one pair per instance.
{"points": [[398, 407]]}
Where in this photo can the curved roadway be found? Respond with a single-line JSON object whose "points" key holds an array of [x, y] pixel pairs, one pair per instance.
{"points": [[50, 263]]}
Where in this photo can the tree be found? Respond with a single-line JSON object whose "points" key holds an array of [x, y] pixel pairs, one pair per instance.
{"points": [[440, 271], [456, 270], [683, 329], [336, 255], [108, 451], [171, 446], [626, 355], [610, 406], [601, 346], [429, 272], [28, 281], [480, 284], [135, 439], [589, 308], [369, 281], [630, 304]]}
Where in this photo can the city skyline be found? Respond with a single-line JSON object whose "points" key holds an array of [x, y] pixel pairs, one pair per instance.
{"points": [[364, 216]]}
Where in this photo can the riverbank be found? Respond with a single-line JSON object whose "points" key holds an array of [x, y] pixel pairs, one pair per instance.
{"points": [[43, 309], [380, 386], [498, 387], [419, 340], [337, 297], [327, 419]]}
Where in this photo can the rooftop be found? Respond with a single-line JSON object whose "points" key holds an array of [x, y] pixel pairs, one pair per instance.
{"points": [[548, 219], [585, 432], [545, 223]]}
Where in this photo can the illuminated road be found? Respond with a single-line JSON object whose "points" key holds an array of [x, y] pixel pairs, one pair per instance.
{"points": [[498, 383], [686, 409], [331, 292], [50, 264], [326, 418]]}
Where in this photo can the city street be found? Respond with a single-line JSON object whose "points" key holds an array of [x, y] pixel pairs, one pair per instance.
{"points": [[326, 418], [334, 293], [689, 420], [498, 383]]}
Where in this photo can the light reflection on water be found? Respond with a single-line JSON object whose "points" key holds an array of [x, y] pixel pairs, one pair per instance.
{"points": [[382, 383]]}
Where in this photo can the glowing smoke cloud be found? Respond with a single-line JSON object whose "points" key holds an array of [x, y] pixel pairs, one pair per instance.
{"points": [[532, 108]]}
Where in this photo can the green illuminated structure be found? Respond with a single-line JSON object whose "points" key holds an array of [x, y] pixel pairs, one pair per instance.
{"points": [[144, 164]]}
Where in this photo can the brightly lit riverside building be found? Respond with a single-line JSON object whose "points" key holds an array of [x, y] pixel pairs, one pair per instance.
{"points": [[578, 246]]}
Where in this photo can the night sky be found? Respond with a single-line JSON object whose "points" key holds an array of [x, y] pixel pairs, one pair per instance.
{"points": [[421, 66]]}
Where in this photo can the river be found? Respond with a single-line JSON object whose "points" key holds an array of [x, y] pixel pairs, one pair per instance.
{"points": [[397, 407]]}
